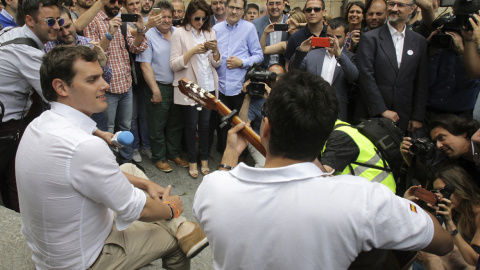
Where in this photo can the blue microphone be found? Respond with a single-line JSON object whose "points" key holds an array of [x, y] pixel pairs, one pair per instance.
{"points": [[122, 138]]}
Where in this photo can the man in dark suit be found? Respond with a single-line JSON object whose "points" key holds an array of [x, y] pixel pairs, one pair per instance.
{"points": [[335, 66], [393, 68], [275, 15]]}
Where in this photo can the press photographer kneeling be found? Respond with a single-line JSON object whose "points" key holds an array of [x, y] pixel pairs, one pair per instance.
{"points": [[256, 89]]}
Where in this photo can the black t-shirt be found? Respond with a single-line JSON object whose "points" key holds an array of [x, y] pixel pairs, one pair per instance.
{"points": [[340, 151], [298, 37]]}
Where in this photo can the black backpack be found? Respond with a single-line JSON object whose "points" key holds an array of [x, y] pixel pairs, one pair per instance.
{"points": [[387, 138]]}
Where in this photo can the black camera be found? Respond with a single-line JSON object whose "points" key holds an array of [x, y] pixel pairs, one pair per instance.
{"points": [[422, 147], [258, 79], [450, 23], [176, 22]]}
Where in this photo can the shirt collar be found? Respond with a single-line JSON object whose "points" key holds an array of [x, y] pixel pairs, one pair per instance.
{"points": [[82, 120], [160, 33], [102, 15], [8, 16], [298, 171], [394, 31], [29, 33]]}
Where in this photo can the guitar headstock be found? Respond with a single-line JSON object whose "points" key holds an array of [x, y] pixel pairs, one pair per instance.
{"points": [[198, 94]]}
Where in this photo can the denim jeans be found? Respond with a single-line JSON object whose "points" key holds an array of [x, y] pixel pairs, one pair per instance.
{"points": [[139, 127], [192, 118], [119, 112], [255, 113]]}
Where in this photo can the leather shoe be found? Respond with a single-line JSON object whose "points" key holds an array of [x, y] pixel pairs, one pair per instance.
{"points": [[163, 166], [180, 162], [194, 242]]}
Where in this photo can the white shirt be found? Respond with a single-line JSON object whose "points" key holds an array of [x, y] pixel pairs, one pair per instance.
{"points": [[328, 68], [398, 41], [205, 75], [293, 218], [68, 184], [19, 72], [275, 37]]}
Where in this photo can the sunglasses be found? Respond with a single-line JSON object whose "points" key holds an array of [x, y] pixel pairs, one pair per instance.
{"points": [[437, 190], [316, 9], [120, 2], [51, 21], [197, 19]]}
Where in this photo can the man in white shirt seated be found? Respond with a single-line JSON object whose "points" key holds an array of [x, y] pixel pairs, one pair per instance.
{"points": [[291, 215], [79, 210]]}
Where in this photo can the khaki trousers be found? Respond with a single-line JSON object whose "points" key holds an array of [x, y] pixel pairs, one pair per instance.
{"points": [[142, 242]]}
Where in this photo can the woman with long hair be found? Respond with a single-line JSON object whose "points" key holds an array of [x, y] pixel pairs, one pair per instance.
{"points": [[194, 54], [355, 15], [462, 211]]}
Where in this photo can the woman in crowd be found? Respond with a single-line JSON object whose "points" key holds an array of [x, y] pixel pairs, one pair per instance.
{"points": [[295, 21], [194, 54], [354, 14]]}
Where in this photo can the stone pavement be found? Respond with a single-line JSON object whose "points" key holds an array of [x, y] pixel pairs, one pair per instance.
{"points": [[15, 254]]}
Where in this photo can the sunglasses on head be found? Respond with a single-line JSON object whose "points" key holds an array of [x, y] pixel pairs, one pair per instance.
{"points": [[197, 19], [120, 2], [316, 9], [51, 21]]}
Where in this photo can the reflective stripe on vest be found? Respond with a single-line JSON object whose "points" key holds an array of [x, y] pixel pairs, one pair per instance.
{"points": [[368, 155]]}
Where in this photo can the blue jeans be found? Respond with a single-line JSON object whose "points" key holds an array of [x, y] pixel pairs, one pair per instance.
{"points": [[139, 120], [255, 113], [119, 111]]}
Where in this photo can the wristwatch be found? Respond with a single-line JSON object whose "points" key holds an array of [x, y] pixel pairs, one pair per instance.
{"points": [[454, 232], [215, 53]]}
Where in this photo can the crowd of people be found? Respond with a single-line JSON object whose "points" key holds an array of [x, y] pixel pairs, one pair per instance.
{"points": [[76, 72]]}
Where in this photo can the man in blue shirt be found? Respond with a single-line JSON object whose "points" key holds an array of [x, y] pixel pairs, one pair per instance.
{"points": [[164, 119], [240, 48], [8, 14]]}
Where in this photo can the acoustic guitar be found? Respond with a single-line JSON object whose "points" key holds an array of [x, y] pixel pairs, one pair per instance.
{"points": [[210, 102]]}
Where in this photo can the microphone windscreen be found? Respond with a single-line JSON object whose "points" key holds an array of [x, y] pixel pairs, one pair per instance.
{"points": [[125, 138]]}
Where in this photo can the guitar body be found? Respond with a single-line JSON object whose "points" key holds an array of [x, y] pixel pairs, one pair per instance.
{"points": [[210, 102]]}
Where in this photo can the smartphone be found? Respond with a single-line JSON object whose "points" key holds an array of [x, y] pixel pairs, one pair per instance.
{"points": [[176, 22], [425, 195], [321, 42], [280, 27], [155, 11], [129, 17]]}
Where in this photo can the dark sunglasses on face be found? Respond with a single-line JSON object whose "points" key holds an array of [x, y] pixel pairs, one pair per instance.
{"points": [[120, 2], [316, 9], [197, 19], [440, 191], [51, 21]]}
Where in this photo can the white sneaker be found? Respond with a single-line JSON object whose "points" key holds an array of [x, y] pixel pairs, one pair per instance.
{"points": [[147, 152], [136, 156]]}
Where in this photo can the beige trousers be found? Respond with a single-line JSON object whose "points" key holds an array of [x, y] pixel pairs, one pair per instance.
{"points": [[142, 242]]}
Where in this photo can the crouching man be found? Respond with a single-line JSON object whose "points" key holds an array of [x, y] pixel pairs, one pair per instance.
{"points": [[79, 209]]}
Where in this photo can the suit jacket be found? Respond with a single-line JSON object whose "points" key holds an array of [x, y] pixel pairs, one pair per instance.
{"points": [[345, 71], [260, 24], [384, 86], [182, 42]]}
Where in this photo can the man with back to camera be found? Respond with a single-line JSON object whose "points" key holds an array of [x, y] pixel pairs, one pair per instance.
{"points": [[240, 49], [290, 204], [314, 11], [333, 64], [275, 15], [393, 68], [83, 213]]}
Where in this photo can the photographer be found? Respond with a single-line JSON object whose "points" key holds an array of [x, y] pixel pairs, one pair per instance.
{"points": [[451, 91], [256, 89]]}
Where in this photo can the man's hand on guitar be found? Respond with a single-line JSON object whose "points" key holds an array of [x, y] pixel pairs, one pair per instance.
{"points": [[235, 142]]}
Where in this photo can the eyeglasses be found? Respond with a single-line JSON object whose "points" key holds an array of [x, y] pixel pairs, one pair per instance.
{"points": [[51, 21], [197, 19], [235, 8], [120, 2], [400, 5], [316, 9]]}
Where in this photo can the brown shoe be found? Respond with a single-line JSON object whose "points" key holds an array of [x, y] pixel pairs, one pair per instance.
{"points": [[163, 166], [180, 162], [194, 242]]}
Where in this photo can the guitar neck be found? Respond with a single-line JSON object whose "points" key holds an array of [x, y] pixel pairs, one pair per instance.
{"points": [[247, 132]]}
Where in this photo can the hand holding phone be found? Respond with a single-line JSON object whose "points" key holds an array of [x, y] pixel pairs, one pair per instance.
{"points": [[425, 195], [321, 42], [280, 27], [129, 17]]}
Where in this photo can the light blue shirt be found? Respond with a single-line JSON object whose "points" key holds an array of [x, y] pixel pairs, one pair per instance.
{"points": [[158, 55], [241, 40]]}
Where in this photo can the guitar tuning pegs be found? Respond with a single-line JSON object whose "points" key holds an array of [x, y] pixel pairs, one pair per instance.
{"points": [[201, 95], [194, 90], [193, 104], [186, 99], [199, 108]]}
